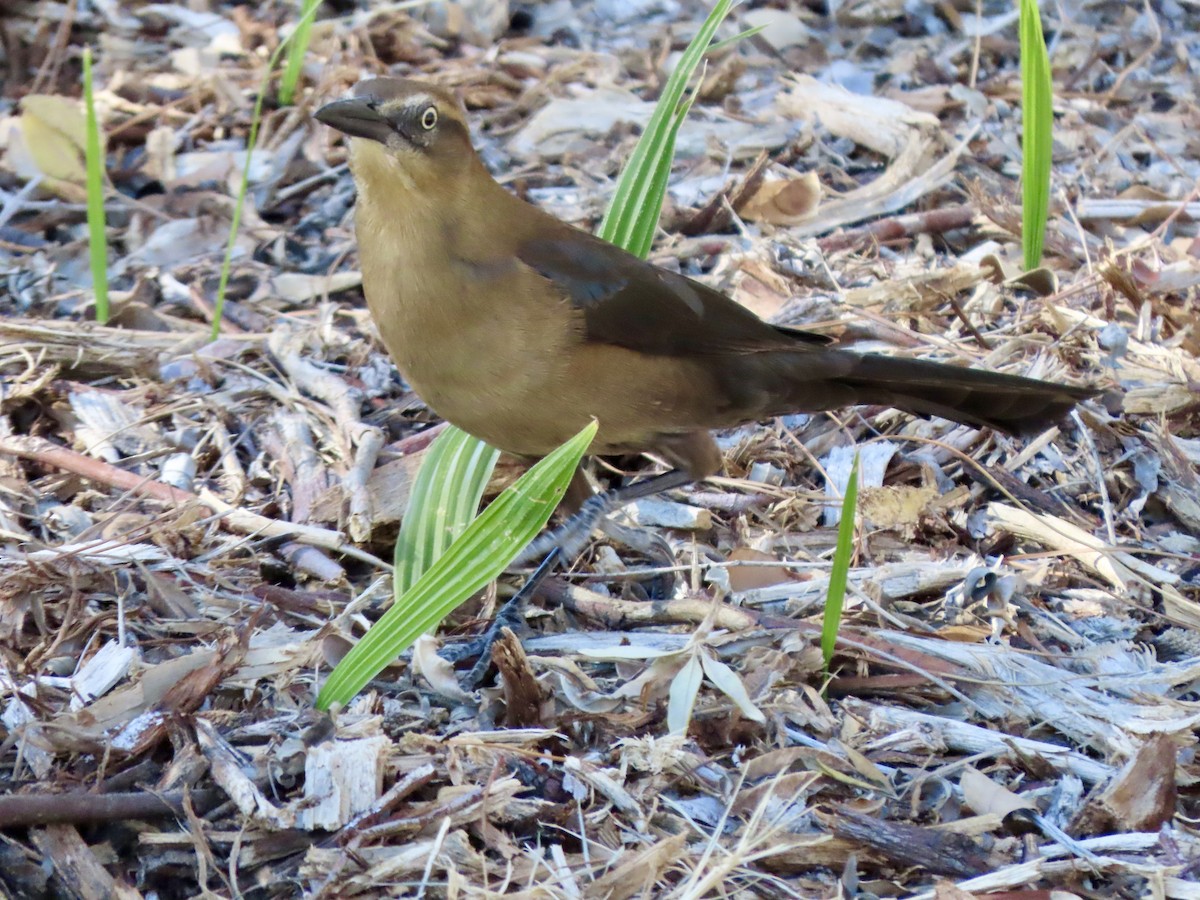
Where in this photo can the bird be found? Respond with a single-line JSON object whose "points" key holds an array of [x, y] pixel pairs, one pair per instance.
{"points": [[520, 328]]}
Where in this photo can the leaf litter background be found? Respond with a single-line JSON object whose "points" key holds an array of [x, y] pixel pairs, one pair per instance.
{"points": [[193, 532]]}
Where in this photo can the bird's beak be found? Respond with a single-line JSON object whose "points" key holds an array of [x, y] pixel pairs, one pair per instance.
{"points": [[355, 117]]}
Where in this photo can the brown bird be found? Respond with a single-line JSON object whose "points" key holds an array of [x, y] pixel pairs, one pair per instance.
{"points": [[519, 328]]}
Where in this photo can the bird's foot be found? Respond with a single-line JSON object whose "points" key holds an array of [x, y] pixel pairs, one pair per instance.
{"points": [[561, 544], [509, 616]]}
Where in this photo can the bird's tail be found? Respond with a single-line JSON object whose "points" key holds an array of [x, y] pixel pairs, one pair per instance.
{"points": [[972, 396], [822, 378]]}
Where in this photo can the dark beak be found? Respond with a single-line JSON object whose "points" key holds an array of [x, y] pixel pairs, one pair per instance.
{"points": [[356, 117]]}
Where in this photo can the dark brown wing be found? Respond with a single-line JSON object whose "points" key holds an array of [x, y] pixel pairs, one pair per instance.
{"points": [[634, 304]]}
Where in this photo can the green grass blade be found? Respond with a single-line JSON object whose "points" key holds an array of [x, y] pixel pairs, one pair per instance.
{"points": [[444, 499], [737, 38], [94, 157], [632, 216], [297, 51], [1038, 133], [244, 185], [835, 600], [480, 554]]}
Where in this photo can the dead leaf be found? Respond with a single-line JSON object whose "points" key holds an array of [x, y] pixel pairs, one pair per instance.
{"points": [[1141, 797], [438, 672], [522, 693], [965, 634], [638, 874], [784, 202], [948, 890], [748, 578], [47, 142], [985, 796], [779, 27], [894, 506], [761, 289]]}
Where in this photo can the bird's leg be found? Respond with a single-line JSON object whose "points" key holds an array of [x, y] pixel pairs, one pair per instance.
{"points": [[571, 536], [563, 543], [509, 616], [646, 542]]}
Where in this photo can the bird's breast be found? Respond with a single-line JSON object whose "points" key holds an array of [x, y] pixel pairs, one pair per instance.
{"points": [[481, 339]]}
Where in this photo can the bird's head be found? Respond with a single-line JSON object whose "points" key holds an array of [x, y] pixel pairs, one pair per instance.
{"points": [[403, 132]]}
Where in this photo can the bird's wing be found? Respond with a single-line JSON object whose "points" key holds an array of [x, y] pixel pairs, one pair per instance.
{"points": [[634, 304]]}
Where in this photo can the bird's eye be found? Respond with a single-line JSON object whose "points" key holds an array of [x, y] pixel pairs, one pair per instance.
{"points": [[429, 118]]}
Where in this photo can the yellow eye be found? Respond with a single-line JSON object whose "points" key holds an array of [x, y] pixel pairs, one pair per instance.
{"points": [[429, 118]]}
